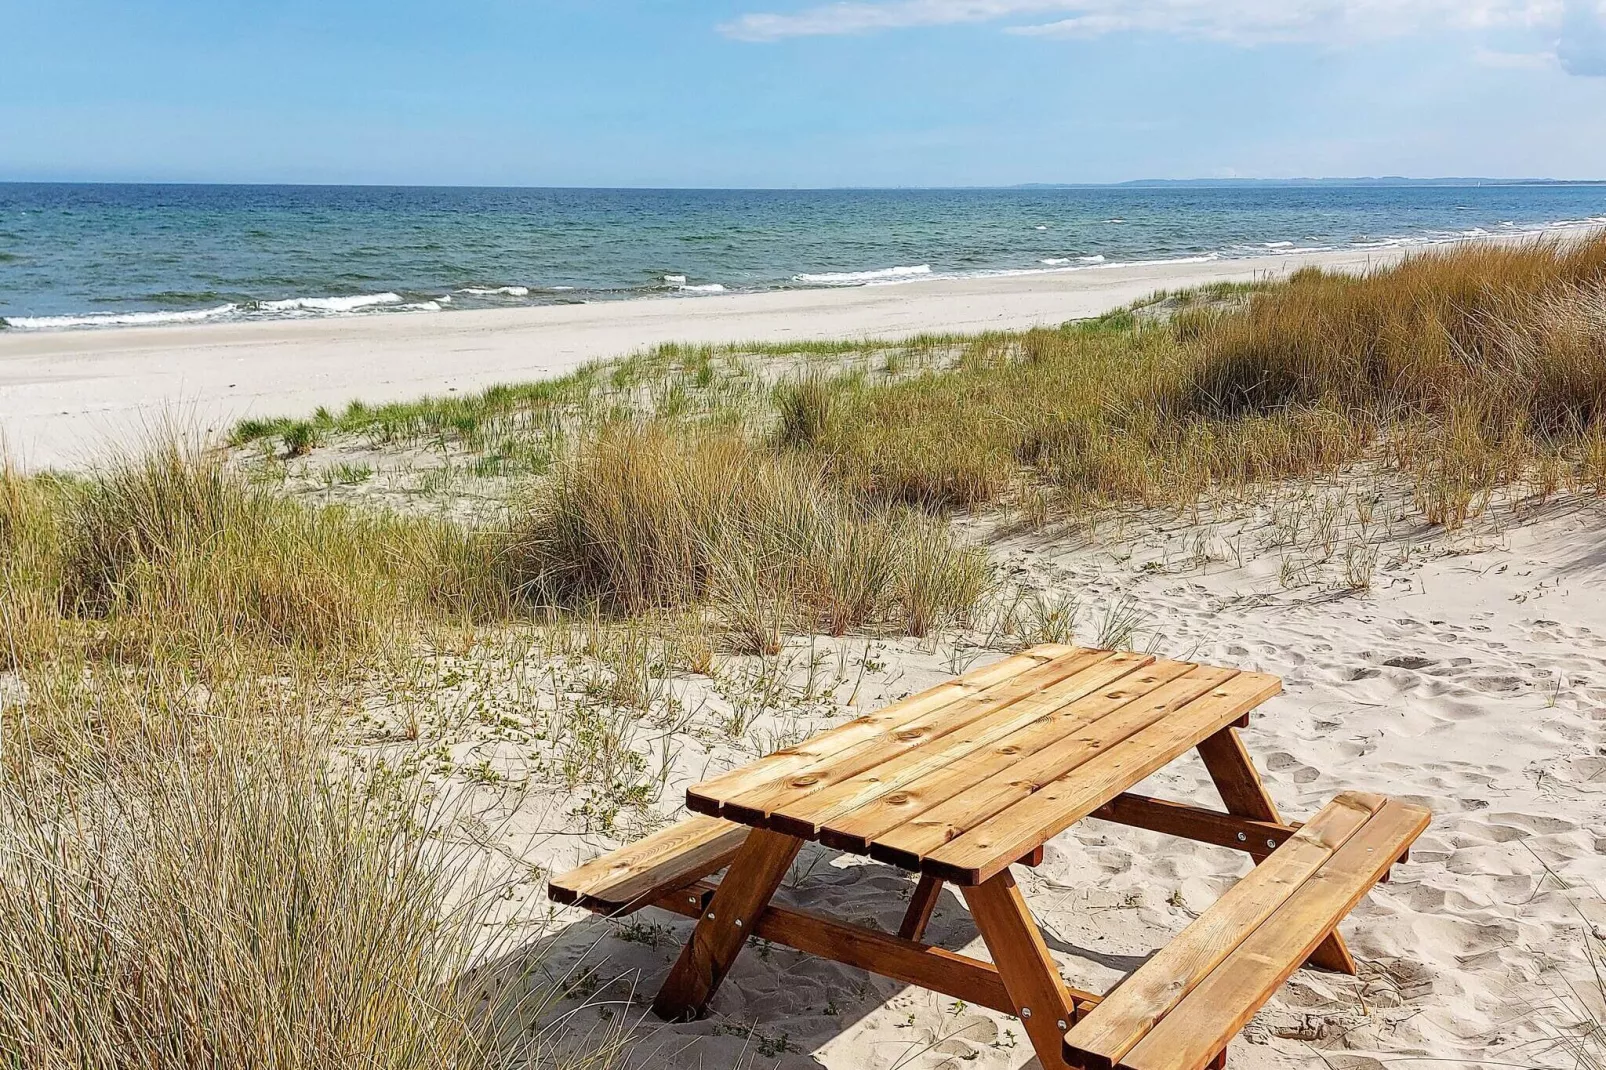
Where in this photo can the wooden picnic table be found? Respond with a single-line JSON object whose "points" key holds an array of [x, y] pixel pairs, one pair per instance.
{"points": [[961, 782]]}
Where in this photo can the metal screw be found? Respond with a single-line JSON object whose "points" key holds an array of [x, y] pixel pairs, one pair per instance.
{"points": [[1272, 844], [710, 915], [1061, 1025], [1242, 837], [691, 899], [738, 923], [1025, 1012]]}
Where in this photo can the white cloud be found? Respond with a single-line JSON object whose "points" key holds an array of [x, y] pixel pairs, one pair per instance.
{"points": [[1515, 61], [1237, 21], [1582, 48]]}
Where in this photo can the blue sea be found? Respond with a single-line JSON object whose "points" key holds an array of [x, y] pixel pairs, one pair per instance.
{"points": [[117, 255]]}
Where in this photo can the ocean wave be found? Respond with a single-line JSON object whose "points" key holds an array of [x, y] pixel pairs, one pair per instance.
{"points": [[675, 280], [1055, 261], [496, 291], [118, 319], [329, 304], [1278, 244], [703, 288], [850, 278]]}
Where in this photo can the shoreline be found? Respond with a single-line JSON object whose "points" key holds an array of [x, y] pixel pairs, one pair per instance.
{"points": [[68, 395]]}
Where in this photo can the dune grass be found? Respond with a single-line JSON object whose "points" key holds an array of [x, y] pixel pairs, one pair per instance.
{"points": [[1464, 370], [646, 518]]}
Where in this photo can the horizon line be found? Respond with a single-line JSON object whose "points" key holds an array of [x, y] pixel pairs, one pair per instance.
{"points": [[1372, 180]]}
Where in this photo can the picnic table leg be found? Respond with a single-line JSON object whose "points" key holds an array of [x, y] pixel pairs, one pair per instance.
{"points": [[1024, 965], [921, 904], [743, 895], [1245, 796]]}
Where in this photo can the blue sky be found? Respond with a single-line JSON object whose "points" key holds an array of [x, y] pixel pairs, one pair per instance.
{"points": [[793, 93]]}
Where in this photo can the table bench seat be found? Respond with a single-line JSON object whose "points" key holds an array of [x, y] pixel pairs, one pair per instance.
{"points": [[1179, 1010], [625, 880]]}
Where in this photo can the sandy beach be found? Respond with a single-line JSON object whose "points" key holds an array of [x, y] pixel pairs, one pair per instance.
{"points": [[65, 394]]}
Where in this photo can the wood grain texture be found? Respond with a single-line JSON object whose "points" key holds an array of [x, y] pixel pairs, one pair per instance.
{"points": [[1046, 810], [1257, 838], [786, 804], [1041, 1000], [621, 881], [756, 871], [1025, 799], [1161, 983], [921, 904], [1223, 1000], [704, 798], [851, 815], [933, 968], [1245, 794]]}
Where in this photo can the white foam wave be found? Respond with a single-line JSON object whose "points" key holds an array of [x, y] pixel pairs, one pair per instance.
{"points": [[496, 291], [420, 306], [329, 304], [704, 288], [1278, 244], [675, 280], [1096, 258], [1055, 261], [118, 319], [850, 278], [1041, 227]]}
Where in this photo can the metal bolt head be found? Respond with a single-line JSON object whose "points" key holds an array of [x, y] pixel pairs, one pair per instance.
{"points": [[1242, 837], [738, 923], [710, 915], [1272, 844], [1025, 1012], [1060, 1025]]}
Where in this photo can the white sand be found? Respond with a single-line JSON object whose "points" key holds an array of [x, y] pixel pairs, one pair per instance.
{"points": [[63, 394], [1471, 679]]}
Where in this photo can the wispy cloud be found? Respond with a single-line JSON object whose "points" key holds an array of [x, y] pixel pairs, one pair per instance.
{"points": [[1238, 21], [1582, 46]]}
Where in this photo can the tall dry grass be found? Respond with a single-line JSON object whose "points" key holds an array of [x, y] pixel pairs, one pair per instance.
{"points": [[170, 552], [1464, 369], [643, 518], [185, 878]]}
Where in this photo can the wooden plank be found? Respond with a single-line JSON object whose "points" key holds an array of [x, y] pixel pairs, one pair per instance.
{"points": [[1244, 794], [1224, 1001], [924, 740], [932, 968], [909, 844], [1041, 1001], [622, 880], [1235, 776], [755, 873], [921, 904], [1040, 808], [1128, 1014], [845, 789], [855, 732], [858, 824], [1195, 823]]}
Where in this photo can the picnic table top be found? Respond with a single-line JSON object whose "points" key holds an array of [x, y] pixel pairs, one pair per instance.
{"points": [[965, 778]]}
